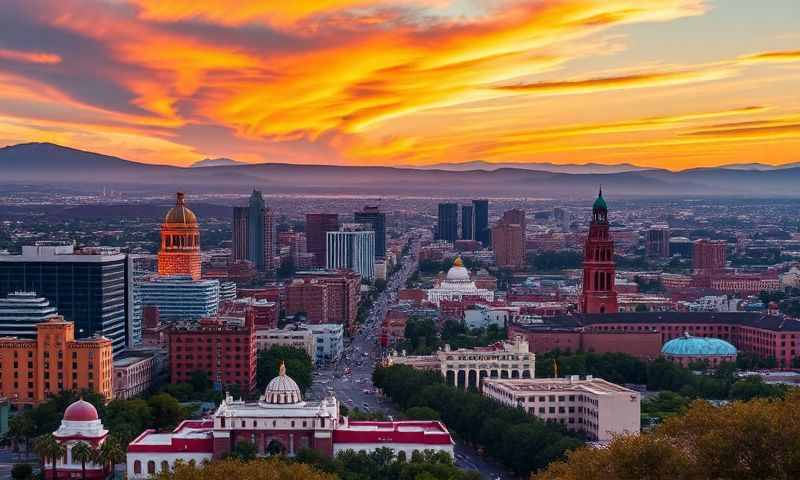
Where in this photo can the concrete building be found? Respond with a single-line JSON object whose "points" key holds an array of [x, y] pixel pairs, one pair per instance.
{"points": [[317, 227], [467, 222], [91, 287], [20, 312], [508, 243], [292, 336], [279, 423], [656, 241], [351, 250], [592, 406], [255, 236], [31, 371], [328, 342], [483, 234], [481, 316], [180, 242], [179, 297], [708, 256], [376, 220], [447, 222], [239, 243], [133, 374]]}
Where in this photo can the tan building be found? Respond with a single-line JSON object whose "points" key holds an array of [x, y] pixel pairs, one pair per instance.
{"points": [[302, 339], [33, 370], [592, 406], [133, 374]]}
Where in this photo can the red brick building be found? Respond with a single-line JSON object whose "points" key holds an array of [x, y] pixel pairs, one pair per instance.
{"points": [[599, 294], [344, 293], [227, 352], [308, 296], [708, 256], [508, 240], [317, 227], [265, 312]]}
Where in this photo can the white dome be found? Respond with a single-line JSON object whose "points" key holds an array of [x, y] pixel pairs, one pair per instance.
{"points": [[282, 389], [457, 272]]}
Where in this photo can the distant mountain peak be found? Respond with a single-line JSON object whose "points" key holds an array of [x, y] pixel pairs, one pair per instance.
{"points": [[216, 162], [574, 168]]}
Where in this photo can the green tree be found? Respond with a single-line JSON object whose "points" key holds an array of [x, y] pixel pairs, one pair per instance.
{"points": [[421, 413], [298, 365], [21, 471], [48, 448], [167, 412], [21, 428], [83, 453], [111, 453], [244, 450]]}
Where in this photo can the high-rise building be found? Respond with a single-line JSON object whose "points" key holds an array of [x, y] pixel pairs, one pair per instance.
{"points": [[352, 250], [515, 216], [656, 241], [599, 294], [508, 243], [225, 351], [447, 227], [708, 256], [372, 216], [481, 214], [343, 289], [467, 222], [317, 227], [20, 312], [179, 297], [310, 297], [91, 287], [239, 245], [180, 242], [31, 371]]}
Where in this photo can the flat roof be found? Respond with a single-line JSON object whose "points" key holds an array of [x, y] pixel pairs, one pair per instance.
{"points": [[595, 385]]}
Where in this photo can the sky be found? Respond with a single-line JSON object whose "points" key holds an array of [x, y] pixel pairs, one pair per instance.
{"points": [[671, 84]]}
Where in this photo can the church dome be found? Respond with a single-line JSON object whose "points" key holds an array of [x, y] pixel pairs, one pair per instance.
{"points": [[689, 346], [180, 213], [457, 272], [282, 389], [81, 411]]}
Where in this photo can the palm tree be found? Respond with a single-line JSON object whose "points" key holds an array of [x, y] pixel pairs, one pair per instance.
{"points": [[83, 452], [47, 446], [111, 453]]}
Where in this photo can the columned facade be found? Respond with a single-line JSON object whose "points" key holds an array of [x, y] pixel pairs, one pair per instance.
{"points": [[466, 368]]}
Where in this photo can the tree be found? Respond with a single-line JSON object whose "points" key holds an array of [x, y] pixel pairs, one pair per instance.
{"points": [[422, 413], [21, 471], [298, 365], [267, 469], [83, 453], [20, 428], [244, 450], [48, 447], [166, 411], [111, 453]]}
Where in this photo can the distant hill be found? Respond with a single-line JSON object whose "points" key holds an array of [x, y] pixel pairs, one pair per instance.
{"points": [[538, 166], [216, 162], [54, 166]]}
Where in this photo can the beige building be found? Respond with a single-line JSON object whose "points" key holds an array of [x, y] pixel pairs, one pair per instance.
{"points": [[133, 374], [593, 406], [465, 367], [300, 338]]}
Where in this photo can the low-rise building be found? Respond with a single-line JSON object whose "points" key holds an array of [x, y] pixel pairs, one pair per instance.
{"points": [[593, 406], [300, 338], [133, 374], [328, 341]]}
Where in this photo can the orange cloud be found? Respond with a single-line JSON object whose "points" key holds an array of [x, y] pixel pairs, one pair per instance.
{"points": [[29, 57]]}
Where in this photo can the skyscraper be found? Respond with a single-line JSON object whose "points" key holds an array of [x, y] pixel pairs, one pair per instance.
{"points": [[448, 222], [481, 223], [372, 216], [599, 294], [255, 235], [352, 250], [180, 242], [317, 227], [240, 244], [508, 239], [467, 222]]}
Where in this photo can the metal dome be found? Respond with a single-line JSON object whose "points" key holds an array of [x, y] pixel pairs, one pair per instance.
{"points": [[689, 346], [282, 389], [180, 213]]}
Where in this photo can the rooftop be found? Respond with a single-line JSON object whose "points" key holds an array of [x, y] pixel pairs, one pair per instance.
{"points": [[597, 386]]}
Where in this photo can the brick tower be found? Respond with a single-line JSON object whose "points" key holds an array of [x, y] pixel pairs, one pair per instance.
{"points": [[180, 242], [599, 295]]}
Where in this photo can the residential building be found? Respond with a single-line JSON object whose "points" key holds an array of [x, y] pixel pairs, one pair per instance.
{"points": [[352, 250], [317, 227], [308, 297], [32, 371], [227, 352], [20, 312], [179, 297], [592, 406], [180, 242], [372, 216], [91, 287], [447, 226]]}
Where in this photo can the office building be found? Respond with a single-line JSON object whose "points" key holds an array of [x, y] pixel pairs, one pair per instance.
{"points": [[376, 220], [20, 312], [483, 234], [352, 250], [467, 222], [328, 342], [133, 374], [179, 297], [239, 243], [225, 351], [91, 287], [656, 242], [317, 227], [291, 336], [343, 289], [255, 236], [708, 256], [308, 297], [32, 371], [599, 294], [680, 246], [447, 226], [508, 240], [591, 406], [180, 242]]}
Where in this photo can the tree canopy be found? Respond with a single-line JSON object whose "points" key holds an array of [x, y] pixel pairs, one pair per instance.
{"points": [[298, 365]]}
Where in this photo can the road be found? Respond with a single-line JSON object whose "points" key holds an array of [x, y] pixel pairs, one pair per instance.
{"points": [[355, 390]]}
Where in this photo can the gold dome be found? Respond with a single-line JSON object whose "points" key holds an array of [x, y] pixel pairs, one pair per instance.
{"points": [[180, 213], [458, 262]]}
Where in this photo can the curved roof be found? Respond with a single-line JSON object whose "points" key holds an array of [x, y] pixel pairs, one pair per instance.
{"points": [[458, 272], [282, 389], [600, 202], [688, 345], [81, 411], [180, 213]]}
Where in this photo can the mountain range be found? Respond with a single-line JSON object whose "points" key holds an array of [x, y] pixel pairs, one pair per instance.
{"points": [[216, 162], [51, 165]]}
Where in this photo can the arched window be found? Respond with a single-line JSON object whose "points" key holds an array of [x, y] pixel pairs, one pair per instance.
{"points": [[151, 467], [137, 467], [165, 466]]}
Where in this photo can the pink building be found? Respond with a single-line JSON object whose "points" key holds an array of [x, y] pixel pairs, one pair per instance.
{"points": [[81, 424]]}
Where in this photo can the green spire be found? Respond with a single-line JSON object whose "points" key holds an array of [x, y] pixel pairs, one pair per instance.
{"points": [[600, 202]]}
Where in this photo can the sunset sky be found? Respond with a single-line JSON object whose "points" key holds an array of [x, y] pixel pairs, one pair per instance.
{"points": [[663, 83]]}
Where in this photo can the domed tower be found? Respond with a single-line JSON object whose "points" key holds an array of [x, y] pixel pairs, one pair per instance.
{"points": [[599, 294], [180, 242]]}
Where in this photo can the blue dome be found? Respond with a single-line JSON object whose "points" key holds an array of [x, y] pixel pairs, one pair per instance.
{"points": [[689, 346]]}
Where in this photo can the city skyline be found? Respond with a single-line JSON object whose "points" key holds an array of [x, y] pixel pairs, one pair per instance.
{"points": [[675, 84]]}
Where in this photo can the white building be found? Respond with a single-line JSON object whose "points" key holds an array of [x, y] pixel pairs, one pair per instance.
{"points": [[353, 250], [179, 297], [456, 285], [481, 316], [300, 338], [593, 406], [20, 312], [81, 424], [328, 341]]}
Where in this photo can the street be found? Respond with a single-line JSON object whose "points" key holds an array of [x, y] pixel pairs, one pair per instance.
{"points": [[355, 389]]}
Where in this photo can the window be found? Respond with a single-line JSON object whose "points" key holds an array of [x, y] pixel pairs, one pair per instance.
{"points": [[151, 467], [137, 467], [165, 466]]}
